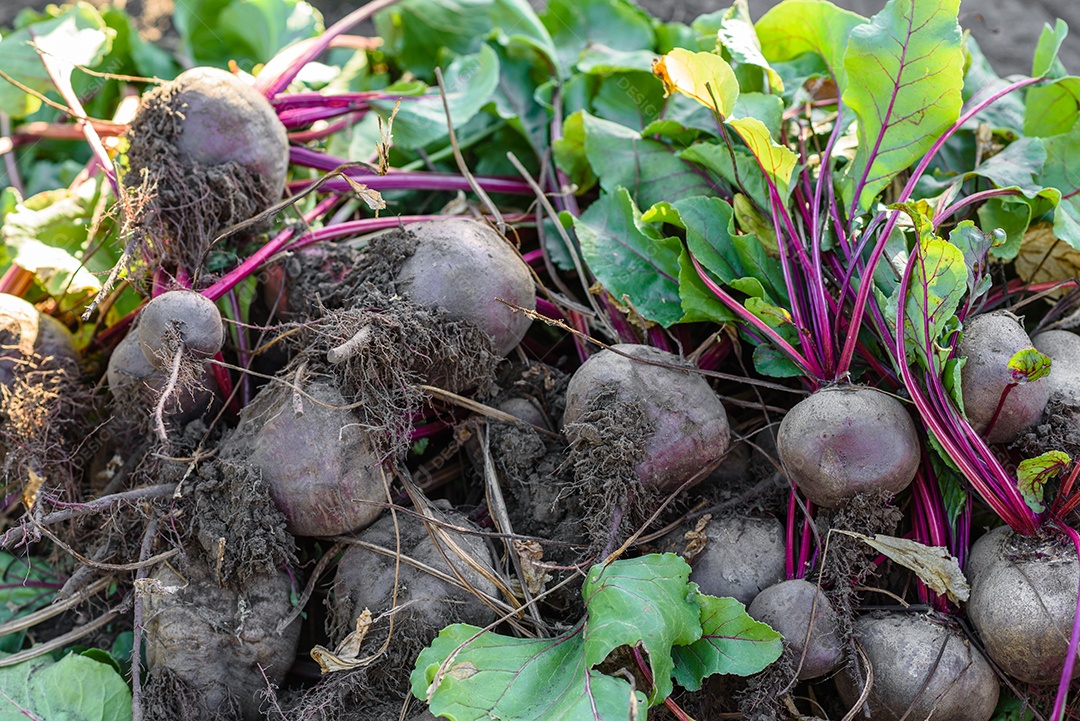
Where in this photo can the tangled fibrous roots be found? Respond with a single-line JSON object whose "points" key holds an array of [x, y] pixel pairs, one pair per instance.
{"points": [[45, 417], [383, 351], [236, 522], [183, 205], [606, 446], [167, 696]]}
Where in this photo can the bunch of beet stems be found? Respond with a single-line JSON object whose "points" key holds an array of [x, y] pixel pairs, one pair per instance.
{"points": [[823, 319]]}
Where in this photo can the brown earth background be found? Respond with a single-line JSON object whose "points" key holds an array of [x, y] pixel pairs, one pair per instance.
{"points": [[1005, 29]]}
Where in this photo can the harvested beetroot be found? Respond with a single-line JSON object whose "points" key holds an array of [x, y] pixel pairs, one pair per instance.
{"points": [[802, 614], [685, 426], [1063, 347], [1023, 601], [26, 334], [466, 267], [205, 140], [316, 458], [923, 668], [137, 384], [212, 649], [846, 440], [420, 603], [742, 557], [989, 341]]}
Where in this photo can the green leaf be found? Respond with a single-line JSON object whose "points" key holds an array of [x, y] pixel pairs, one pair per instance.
{"points": [[649, 169], [574, 25], [938, 282], [1046, 62], [633, 99], [246, 31], [48, 235], [1033, 473], [704, 77], [737, 36], [731, 643], [777, 161], [630, 257], [77, 36], [470, 82], [419, 33], [647, 601], [1028, 365], [698, 302], [1061, 171], [905, 71], [716, 158], [18, 597], [1053, 108], [771, 362], [570, 154], [795, 27], [75, 687], [975, 246]]}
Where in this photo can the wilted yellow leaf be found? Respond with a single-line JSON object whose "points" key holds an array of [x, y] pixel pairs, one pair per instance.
{"points": [[1044, 258], [705, 77], [937, 568]]}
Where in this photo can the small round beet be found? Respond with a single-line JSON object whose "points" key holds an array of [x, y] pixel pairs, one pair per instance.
{"points": [[742, 557], [846, 440], [1023, 601], [794, 607], [180, 317], [988, 342], [923, 669], [464, 266], [136, 383], [690, 425]]}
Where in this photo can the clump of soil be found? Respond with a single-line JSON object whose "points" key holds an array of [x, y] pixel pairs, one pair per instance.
{"points": [[1059, 429]]}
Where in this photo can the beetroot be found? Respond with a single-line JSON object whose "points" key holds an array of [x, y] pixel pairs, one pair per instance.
{"points": [[795, 608], [1023, 601], [989, 341], [316, 458], [923, 669], [846, 440], [25, 332], [741, 558], [466, 267], [136, 384], [686, 424], [1063, 347], [180, 319]]}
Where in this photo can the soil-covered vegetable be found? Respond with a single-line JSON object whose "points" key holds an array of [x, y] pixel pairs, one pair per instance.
{"points": [[846, 440], [470, 270], [179, 320], [320, 464], [212, 649], [683, 428], [1063, 347], [1023, 602], [923, 668], [26, 333], [137, 384], [741, 557], [802, 614], [989, 341]]}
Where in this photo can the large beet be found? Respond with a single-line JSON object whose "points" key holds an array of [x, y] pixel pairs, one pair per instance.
{"points": [[689, 426], [742, 557], [794, 608], [315, 456], [923, 669], [465, 266], [25, 332], [846, 440], [222, 644], [1063, 348], [1023, 601]]}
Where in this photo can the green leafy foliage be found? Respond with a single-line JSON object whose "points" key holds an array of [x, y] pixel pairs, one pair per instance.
{"points": [[631, 258], [910, 69], [1032, 474], [704, 77], [76, 35], [75, 687], [24, 588], [646, 602], [246, 31], [808, 26]]}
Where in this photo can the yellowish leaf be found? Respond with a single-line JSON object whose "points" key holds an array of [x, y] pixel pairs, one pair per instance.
{"points": [[776, 160], [937, 568], [705, 77], [347, 655]]}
